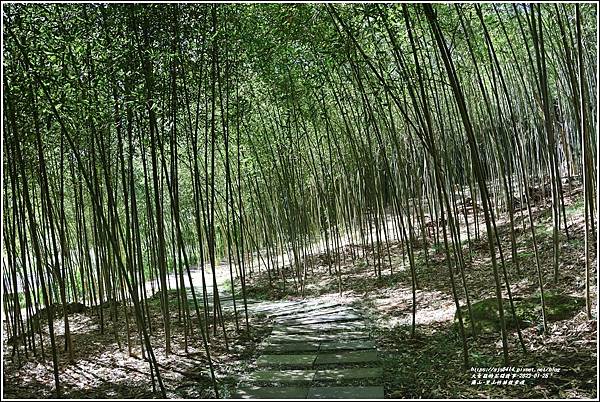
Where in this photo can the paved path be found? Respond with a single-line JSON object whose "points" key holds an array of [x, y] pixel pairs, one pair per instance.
{"points": [[316, 349]]}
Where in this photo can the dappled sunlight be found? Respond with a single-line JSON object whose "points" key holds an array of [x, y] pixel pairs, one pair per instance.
{"points": [[299, 201], [396, 307], [103, 369]]}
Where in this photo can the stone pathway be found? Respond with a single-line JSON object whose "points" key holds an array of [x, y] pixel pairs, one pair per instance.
{"points": [[316, 350]]}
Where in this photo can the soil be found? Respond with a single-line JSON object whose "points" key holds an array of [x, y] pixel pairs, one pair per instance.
{"points": [[430, 362]]}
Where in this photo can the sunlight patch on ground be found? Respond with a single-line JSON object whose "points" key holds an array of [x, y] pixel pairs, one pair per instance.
{"points": [[396, 307]]}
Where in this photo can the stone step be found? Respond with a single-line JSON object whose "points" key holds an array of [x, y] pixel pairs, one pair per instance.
{"points": [[315, 313], [317, 329], [307, 360], [356, 373], [317, 337], [346, 345], [283, 330], [274, 348], [345, 393], [347, 357], [323, 327], [322, 319], [295, 304], [298, 377], [303, 309], [269, 347], [337, 311], [282, 376], [321, 312], [254, 392], [289, 360]]}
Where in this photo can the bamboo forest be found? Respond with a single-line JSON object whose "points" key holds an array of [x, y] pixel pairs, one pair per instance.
{"points": [[308, 200]]}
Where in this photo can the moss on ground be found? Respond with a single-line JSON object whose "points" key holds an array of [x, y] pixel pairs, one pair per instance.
{"points": [[528, 311]]}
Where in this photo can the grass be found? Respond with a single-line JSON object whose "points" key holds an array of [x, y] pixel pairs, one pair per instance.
{"points": [[576, 208], [226, 286]]}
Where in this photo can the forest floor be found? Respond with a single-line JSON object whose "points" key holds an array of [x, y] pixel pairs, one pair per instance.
{"points": [[104, 368], [430, 363], [426, 365]]}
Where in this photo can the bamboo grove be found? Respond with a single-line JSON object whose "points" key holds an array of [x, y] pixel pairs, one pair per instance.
{"points": [[147, 141]]}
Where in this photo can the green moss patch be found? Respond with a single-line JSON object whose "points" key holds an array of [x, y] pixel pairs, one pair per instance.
{"points": [[528, 311]]}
